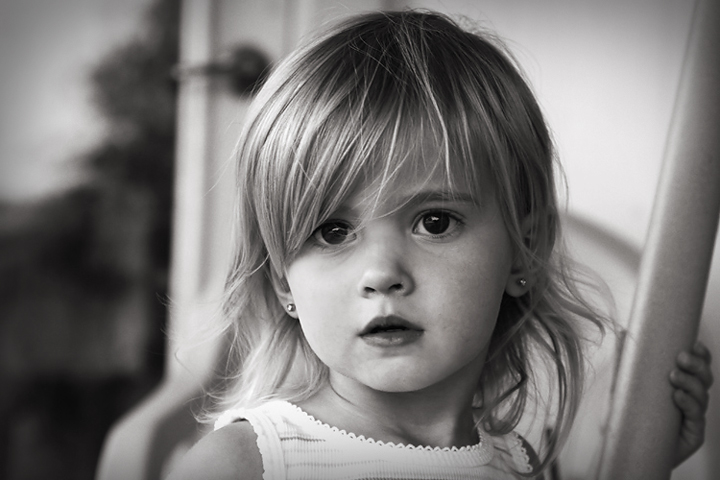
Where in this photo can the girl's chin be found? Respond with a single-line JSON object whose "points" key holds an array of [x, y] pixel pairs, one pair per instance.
{"points": [[397, 381], [412, 375]]}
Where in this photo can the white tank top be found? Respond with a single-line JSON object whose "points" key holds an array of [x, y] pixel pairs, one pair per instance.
{"points": [[296, 446]]}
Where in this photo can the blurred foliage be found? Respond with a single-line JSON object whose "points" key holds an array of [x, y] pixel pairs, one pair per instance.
{"points": [[135, 91], [113, 232], [83, 275]]}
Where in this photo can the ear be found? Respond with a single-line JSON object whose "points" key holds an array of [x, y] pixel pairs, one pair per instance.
{"points": [[518, 284], [284, 296], [519, 280]]}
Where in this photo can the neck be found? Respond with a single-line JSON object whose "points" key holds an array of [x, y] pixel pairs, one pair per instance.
{"points": [[438, 416]]}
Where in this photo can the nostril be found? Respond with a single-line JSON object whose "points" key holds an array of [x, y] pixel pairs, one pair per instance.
{"points": [[395, 287], [384, 279]]}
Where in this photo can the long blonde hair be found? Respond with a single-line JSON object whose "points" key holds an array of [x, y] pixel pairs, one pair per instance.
{"points": [[341, 109]]}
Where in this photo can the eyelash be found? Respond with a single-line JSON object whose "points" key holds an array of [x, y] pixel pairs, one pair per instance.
{"points": [[449, 232], [455, 223], [321, 242]]}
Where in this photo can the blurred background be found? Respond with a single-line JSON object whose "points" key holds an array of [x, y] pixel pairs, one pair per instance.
{"points": [[116, 123], [87, 133]]}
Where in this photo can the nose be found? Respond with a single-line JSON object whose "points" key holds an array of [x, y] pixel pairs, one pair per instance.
{"points": [[384, 270]]}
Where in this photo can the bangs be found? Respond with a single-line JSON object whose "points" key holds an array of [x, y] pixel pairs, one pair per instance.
{"points": [[373, 104], [412, 149]]}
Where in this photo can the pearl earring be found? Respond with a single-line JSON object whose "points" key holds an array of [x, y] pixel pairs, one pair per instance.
{"points": [[522, 282], [290, 307]]}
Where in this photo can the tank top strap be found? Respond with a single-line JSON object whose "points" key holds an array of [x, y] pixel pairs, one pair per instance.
{"points": [[269, 430], [512, 448]]}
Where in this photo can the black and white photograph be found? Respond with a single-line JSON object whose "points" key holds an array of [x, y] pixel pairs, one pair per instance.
{"points": [[354, 240]]}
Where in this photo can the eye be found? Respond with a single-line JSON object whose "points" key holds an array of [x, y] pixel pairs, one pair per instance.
{"points": [[334, 232], [436, 223]]}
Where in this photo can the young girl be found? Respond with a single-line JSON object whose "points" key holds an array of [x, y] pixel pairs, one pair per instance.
{"points": [[398, 296]]}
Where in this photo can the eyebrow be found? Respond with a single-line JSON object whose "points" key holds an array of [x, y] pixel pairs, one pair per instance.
{"points": [[415, 199], [439, 196], [420, 197]]}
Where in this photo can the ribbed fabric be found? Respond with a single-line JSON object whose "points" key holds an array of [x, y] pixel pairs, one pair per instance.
{"points": [[296, 446]]}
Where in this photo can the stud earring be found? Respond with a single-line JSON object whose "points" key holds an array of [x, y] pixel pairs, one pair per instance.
{"points": [[522, 282], [290, 307]]}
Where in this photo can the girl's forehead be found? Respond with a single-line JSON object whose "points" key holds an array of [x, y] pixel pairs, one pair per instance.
{"points": [[413, 156], [424, 174]]}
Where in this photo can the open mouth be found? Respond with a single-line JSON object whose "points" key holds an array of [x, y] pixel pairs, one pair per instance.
{"points": [[389, 324], [389, 328]]}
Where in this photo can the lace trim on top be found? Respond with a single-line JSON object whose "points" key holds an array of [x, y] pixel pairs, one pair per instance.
{"points": [[280, 414], [468, 448], [519, 453]]}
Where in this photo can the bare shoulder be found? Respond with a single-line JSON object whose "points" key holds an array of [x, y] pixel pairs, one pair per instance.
{"points": [[228, 453]]}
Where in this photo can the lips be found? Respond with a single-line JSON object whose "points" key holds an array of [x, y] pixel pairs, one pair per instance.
{"points": [[388, 323], [390, 330]]}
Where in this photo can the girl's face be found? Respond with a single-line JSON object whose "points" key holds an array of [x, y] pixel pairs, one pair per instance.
{"points": [[409, 300]]}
